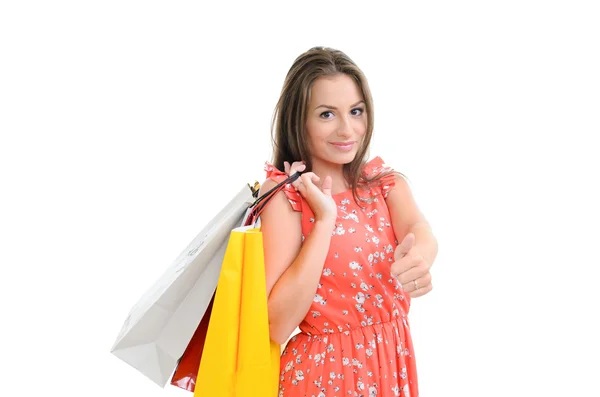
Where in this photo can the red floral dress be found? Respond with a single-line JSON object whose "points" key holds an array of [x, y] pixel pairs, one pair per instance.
{"points": [[355, 338]]}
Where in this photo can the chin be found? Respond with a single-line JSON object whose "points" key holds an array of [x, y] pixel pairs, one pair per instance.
{"points": [[334, 157], [342, 159]]}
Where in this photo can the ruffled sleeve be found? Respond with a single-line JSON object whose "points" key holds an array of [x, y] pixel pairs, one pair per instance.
{"points": [[377, 167], [292, 195]]}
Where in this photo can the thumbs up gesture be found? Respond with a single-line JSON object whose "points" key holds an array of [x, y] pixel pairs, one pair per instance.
{"points": [[410, 268]]}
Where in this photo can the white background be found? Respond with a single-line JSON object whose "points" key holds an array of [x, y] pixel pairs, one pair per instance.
{"points": [[126, 125]]}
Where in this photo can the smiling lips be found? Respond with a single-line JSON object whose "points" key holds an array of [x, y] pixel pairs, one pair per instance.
{"points": [[343, 146]]}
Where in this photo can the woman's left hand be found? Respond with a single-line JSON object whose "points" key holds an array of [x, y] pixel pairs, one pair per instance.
{"points": [[411, 269]]}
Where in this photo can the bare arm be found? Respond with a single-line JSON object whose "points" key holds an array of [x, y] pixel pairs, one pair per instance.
{"points": [[292, 269], [407, 218]]}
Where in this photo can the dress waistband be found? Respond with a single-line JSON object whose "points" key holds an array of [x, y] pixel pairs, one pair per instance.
{"points": [[398, 321]]}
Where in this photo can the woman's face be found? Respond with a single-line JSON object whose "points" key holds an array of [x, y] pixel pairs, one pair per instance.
{"points": [[336, 120]]}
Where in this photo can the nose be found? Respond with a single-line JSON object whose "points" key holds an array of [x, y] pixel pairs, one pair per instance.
{"points": [[344, 130]]}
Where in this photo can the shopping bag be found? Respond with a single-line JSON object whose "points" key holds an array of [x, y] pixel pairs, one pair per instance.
{"points": [[257, 372], [186, 372], [235, 355], [160, 326], [239, 358]]}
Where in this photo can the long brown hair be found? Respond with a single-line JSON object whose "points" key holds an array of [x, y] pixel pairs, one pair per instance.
{"points": [[288, 126]]}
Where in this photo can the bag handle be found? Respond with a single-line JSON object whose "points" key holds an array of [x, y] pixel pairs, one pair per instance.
{"points": [[259, 204]]}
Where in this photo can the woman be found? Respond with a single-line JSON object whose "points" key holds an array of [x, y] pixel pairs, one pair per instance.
{"points": [[332, 259]]}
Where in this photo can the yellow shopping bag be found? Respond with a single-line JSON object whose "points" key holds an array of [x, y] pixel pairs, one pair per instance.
{"points": [[219, 358], [239, 358], [258, 357]]}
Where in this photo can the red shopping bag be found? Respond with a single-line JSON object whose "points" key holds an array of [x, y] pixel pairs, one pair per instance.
{"points": [[187, 370]]}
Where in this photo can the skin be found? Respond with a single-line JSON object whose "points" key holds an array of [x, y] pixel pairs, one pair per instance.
{"points": [[336, 116]]}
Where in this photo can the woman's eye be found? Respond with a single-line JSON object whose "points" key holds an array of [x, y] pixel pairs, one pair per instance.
{"points": [[357, 111], [325, 114]]}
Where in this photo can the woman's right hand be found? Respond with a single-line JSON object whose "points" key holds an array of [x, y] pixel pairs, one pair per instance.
{"points": [[316, 194]]}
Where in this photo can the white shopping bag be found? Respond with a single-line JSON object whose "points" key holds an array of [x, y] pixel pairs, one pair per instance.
{"points": [[160, 326]]}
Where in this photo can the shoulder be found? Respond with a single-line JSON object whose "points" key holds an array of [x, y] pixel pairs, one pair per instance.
{"points": [[266, 185], [377, 168], [381, 177], [401, 201], [374, 167], [274, 178], [281, 214], [273, 173]]}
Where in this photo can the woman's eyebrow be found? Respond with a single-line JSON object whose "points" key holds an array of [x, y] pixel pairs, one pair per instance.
{"points": [[334, 108]]}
